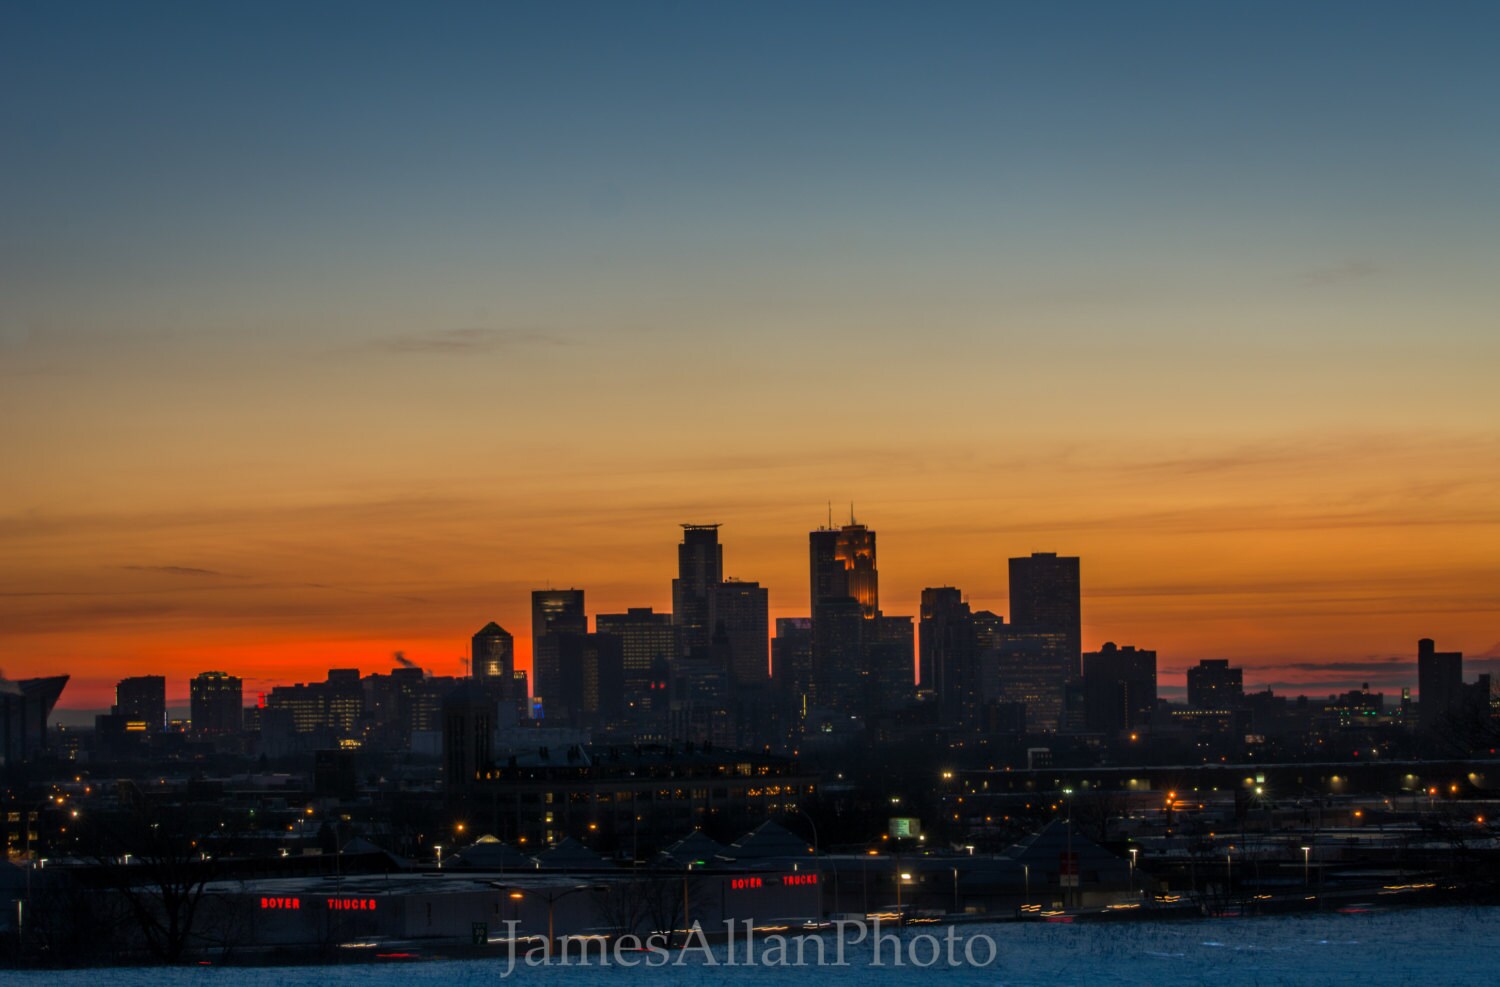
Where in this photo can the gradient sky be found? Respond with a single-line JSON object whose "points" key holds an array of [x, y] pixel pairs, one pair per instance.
{"points": [[330, 330]]}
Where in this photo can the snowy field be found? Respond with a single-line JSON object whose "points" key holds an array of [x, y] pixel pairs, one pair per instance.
{"points": [[1426, 946]]}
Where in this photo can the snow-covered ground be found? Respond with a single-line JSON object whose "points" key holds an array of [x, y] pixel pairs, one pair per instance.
{"points": [[1424, 946]]}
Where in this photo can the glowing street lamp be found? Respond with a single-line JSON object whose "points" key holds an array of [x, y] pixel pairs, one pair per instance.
{"points": [[1306, 856]]}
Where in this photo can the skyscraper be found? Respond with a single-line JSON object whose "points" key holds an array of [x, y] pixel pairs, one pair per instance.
{"points": [[948, 654], [843, 565], [493, 654], [1045, 601], [558, 623], [1212, 684], [1440, 683], [856, 550], [1119, 688], [840, 671], [648, 643], [216, 703], [791, 675], [891, 679], [700, 567], [740, 609], [143, 699]]}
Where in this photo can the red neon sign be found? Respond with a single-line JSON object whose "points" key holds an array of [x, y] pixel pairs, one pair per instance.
{"points": [[281, 904], [799, 879], [351, 904], [741, 883]]}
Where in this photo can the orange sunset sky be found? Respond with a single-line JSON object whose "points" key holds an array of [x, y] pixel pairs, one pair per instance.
{"points": [[313, 353]]}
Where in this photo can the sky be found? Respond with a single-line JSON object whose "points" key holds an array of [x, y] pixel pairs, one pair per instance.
{"points": [[331, 330]]}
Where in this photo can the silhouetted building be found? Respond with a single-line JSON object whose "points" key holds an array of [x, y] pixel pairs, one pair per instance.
{"points": [[1119, 689], [492, 655], [346, 702], [1440, 683], [889, 649], [215, 704], [631, 799], [741, 610], [827, 579], [601, 698], [700, 567], [1028, 673], [839, 671], [24, 709], [1045, 603], [558, 623], [949, 655], [791, 675], [142, 699], [649, 644], [843, 564], [468, 735], [1212, 684], [702, 703]]}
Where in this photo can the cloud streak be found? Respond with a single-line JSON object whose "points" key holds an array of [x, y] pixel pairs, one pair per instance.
{"points": [[469, 341], [175, 570]]}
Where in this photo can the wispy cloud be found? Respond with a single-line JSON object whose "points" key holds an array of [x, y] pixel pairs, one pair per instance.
{"points": [[458, 341], [175, 570]]}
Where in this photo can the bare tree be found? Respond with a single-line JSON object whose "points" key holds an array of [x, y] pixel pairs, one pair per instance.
{"points": [[156, 859]]}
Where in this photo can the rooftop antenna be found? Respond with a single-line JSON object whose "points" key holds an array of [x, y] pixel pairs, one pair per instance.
{"points": [[851, 513], [830, 515]]}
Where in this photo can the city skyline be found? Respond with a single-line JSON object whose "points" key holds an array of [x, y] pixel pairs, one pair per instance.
{"points": [[1391, 672], [329, 332]]}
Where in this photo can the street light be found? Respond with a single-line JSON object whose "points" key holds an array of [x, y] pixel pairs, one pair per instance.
{"points": [[1072, 860], [439, 848], [1133, 852], [551, 896], [1306, 852]]}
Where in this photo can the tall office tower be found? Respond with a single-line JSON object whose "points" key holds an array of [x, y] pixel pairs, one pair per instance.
{"points": [[888, 656], [856, 549], [345, 697], [741, 610], [828, 579], [1440, 683], [1045, 601], [700, 567], [492, 654], [468, 715], [703, 709], [844, 589], [648, 642], [843, 565], [1119, 688], [1026, 674], [142, 699], [791, 675], [840, 672], [557, 618], [216, 704], [601, 681], [1212, 684], [948, 655]]}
